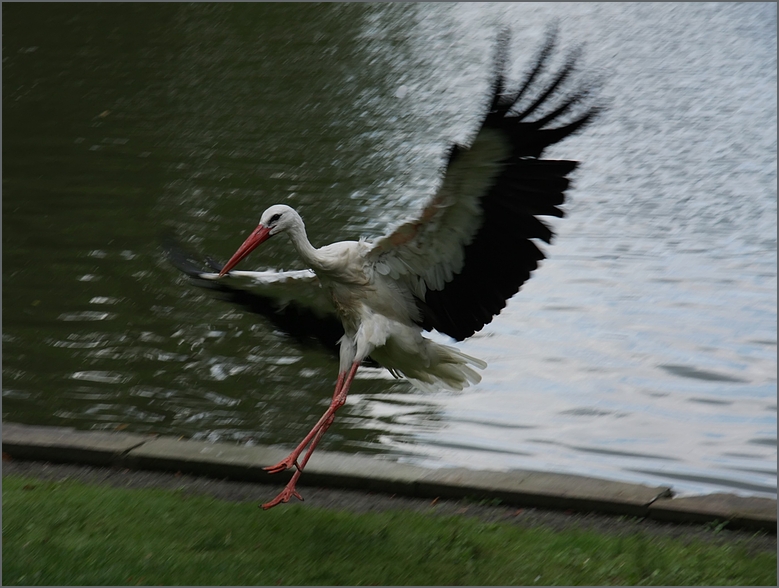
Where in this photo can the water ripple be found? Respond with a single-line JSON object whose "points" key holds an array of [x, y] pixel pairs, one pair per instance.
{"points": [[86, 315], [101, 377]]}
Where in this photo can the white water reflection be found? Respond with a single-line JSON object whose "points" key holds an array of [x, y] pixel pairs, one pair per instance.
{"points": [[644, 348]]}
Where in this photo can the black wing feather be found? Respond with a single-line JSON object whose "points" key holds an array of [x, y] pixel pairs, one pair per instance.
{"points": [[503, 254]]}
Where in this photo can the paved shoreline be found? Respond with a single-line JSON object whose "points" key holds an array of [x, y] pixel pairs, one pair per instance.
{"points": [[522, 489]]}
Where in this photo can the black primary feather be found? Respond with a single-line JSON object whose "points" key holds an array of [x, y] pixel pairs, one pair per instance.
{"points": [[502, 255]]}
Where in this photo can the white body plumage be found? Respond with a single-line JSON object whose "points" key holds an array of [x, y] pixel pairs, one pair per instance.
{"points": [[377, 309]]}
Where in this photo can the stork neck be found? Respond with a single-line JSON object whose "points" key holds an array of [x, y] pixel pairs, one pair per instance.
{"points": [[307, 252]]}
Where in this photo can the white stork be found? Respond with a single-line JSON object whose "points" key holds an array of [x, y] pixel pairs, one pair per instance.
{"points": [[453, 267]]}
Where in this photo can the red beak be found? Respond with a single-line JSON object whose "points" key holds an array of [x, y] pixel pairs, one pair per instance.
{"points": [[259, 235]]}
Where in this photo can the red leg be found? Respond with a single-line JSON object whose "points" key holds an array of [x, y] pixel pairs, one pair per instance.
{"points": [[292, 458], [339, 399], [289, 490]]}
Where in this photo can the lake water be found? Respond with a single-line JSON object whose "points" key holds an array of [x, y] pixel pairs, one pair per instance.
{"points": [[643, 349]]}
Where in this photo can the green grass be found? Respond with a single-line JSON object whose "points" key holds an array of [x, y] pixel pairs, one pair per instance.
{"points": [[64, 533]]}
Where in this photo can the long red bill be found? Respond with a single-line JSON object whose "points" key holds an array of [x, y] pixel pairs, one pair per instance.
{"points": [[259, 235]]}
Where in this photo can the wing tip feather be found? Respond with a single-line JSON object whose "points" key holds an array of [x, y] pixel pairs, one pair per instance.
{"points": [[548, 106]]}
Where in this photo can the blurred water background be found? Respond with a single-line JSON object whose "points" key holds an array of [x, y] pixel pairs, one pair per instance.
{"points": [[643, 350]]}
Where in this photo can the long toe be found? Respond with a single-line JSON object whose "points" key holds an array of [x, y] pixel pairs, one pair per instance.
{"points": [[283, 496], [284, 464], [275, 469]]}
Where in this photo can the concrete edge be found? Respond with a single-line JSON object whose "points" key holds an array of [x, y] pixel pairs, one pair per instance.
{"points": [[374, 474]]}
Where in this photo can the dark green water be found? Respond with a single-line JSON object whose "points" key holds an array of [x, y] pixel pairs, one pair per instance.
{"points": [[120, 121], [643, 350]]}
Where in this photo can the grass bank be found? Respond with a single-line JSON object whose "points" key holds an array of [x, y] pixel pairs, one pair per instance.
{"points": [[65, 533]]}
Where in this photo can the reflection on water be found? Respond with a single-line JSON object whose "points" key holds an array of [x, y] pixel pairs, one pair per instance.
{"points": [[643, 350]]}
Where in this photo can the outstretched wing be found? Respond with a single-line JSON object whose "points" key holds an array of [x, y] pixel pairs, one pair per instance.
{"points": [[291, 301], [472, 246]]}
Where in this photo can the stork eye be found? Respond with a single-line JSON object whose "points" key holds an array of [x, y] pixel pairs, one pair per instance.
{"points": [[274, 218]]}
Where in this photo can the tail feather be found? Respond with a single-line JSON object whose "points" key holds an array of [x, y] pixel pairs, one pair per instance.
{"points": [[448, 368], [427, 364]]}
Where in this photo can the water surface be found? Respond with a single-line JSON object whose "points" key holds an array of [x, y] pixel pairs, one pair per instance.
{"points": [[643, 350]]}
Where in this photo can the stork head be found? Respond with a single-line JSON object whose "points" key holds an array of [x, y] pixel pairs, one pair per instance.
{"points": [[276, 219]]}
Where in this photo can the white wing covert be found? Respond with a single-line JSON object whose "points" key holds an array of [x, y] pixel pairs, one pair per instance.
{"points": [[428, 251], [283, 286]]}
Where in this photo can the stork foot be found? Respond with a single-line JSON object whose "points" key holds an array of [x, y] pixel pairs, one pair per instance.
{"points": [[284, 496], [313, 437], [284, 464]]}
